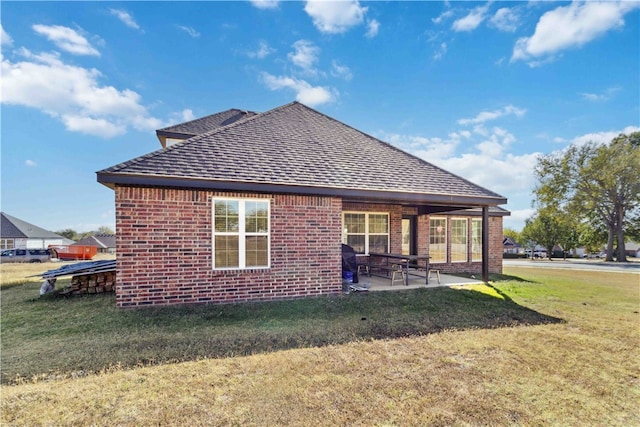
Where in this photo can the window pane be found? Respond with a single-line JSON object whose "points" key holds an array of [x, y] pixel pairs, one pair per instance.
{"points": [[438, 240], [458, 240], [256, 217], [227, 252], [354, 223], [378, 223], [256, 252], [356, 242], [379, 244], [476, 240], [226, 216]]}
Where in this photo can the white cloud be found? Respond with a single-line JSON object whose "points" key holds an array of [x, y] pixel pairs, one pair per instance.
{"points": [[443, 16], [305, 55], [189, 30], [66, 39], [93, 126], [488, 164], [30, 163], [429, 149], [569, 27], [473, 19], [485, 116], [265, 4], [5, 39], [603, 137], [505, 19], [305, 93], [125, 17], [335, 17], [341, 71], [185, 115], [373, 26], [439, 53], [603, 96], [262, 52], [73, 95]]}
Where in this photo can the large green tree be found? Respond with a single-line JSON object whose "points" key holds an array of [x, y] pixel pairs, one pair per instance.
{"points": [[599, 184]]}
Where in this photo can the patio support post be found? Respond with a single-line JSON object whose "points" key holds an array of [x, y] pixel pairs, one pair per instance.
{"points": [[485, 244]]}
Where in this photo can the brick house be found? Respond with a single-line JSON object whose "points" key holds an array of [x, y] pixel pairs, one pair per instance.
{"points": [[242, 206]]}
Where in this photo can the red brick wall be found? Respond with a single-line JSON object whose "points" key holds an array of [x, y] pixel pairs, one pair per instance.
{"points": [[164, 249]]}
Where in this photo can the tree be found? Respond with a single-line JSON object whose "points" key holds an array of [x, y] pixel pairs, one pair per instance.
{"points": [[596, 183], [104, 230], [68, 233], [550, 228]]}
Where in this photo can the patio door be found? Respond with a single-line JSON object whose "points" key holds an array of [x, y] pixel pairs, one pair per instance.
{"points": [[409, 238]]}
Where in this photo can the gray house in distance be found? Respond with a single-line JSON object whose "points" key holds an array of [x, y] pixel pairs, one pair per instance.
{"points": [[16, 233], [106, 243], [243, 206]]}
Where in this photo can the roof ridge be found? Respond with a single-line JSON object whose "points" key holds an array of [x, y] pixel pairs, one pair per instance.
{"points": [[194, 138], [204, 117]]}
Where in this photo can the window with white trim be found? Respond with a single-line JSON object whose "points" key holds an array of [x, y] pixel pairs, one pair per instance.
{"points": [[458, 240], [241, 237], [476, 240], [437, 240], [366, 232]]}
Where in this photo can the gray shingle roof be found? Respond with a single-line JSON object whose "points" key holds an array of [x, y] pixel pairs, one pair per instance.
{"points": [[15, 228], [299, 149], [100, 240], [206, 124]]}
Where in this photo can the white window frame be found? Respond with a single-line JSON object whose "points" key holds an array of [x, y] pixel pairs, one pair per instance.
{"points": [[476, 256], [446, 238], [366, 228], [466, 239], [241, 233]]}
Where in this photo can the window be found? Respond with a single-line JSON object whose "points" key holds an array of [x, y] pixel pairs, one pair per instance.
{"points": [[6, 243], [241, 233], [459, 240], [366, 232], [437, 240], [476, 240]]}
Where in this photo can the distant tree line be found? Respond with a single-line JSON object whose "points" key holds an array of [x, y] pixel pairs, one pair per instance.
{"points": [[587, 195], [74, 235]]}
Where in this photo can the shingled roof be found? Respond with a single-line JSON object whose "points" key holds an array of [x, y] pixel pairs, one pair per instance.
{"points": [[295, 149], [15, 228]]}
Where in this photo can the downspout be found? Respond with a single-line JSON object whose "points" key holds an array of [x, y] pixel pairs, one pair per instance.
{"points": [[485, 244]]}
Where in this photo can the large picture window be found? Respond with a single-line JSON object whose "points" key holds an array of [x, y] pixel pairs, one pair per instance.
{"points": [[366, 232], [241, 233], [476, 240], [437, 240], [459, 240]]}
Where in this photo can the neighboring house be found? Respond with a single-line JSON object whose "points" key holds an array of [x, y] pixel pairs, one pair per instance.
{"points": [[16, 233], [257, 208], [509, 246], [106, 243]]}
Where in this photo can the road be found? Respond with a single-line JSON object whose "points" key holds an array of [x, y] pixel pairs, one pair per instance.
{"points": [[575, 264]]}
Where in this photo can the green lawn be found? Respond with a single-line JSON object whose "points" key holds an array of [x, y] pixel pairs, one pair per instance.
{"points": [[545, 348]]}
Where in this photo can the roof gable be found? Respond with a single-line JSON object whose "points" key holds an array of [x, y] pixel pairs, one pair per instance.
{"points": [[297, 149], [101, 240]]}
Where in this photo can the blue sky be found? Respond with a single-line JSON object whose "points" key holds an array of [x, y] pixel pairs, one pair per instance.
{"points": [[479, 88]]}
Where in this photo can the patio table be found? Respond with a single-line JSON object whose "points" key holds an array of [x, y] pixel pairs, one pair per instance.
{"points": [[405, 261]]}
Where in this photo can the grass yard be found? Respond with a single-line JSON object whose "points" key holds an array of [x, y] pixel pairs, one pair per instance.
{"points": [[546, 347]]}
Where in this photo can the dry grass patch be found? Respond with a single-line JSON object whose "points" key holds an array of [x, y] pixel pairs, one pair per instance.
{"points": [[581, 372]]}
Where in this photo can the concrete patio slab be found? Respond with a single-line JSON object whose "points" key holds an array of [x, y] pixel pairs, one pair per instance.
{"points": [[416, 280]]}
